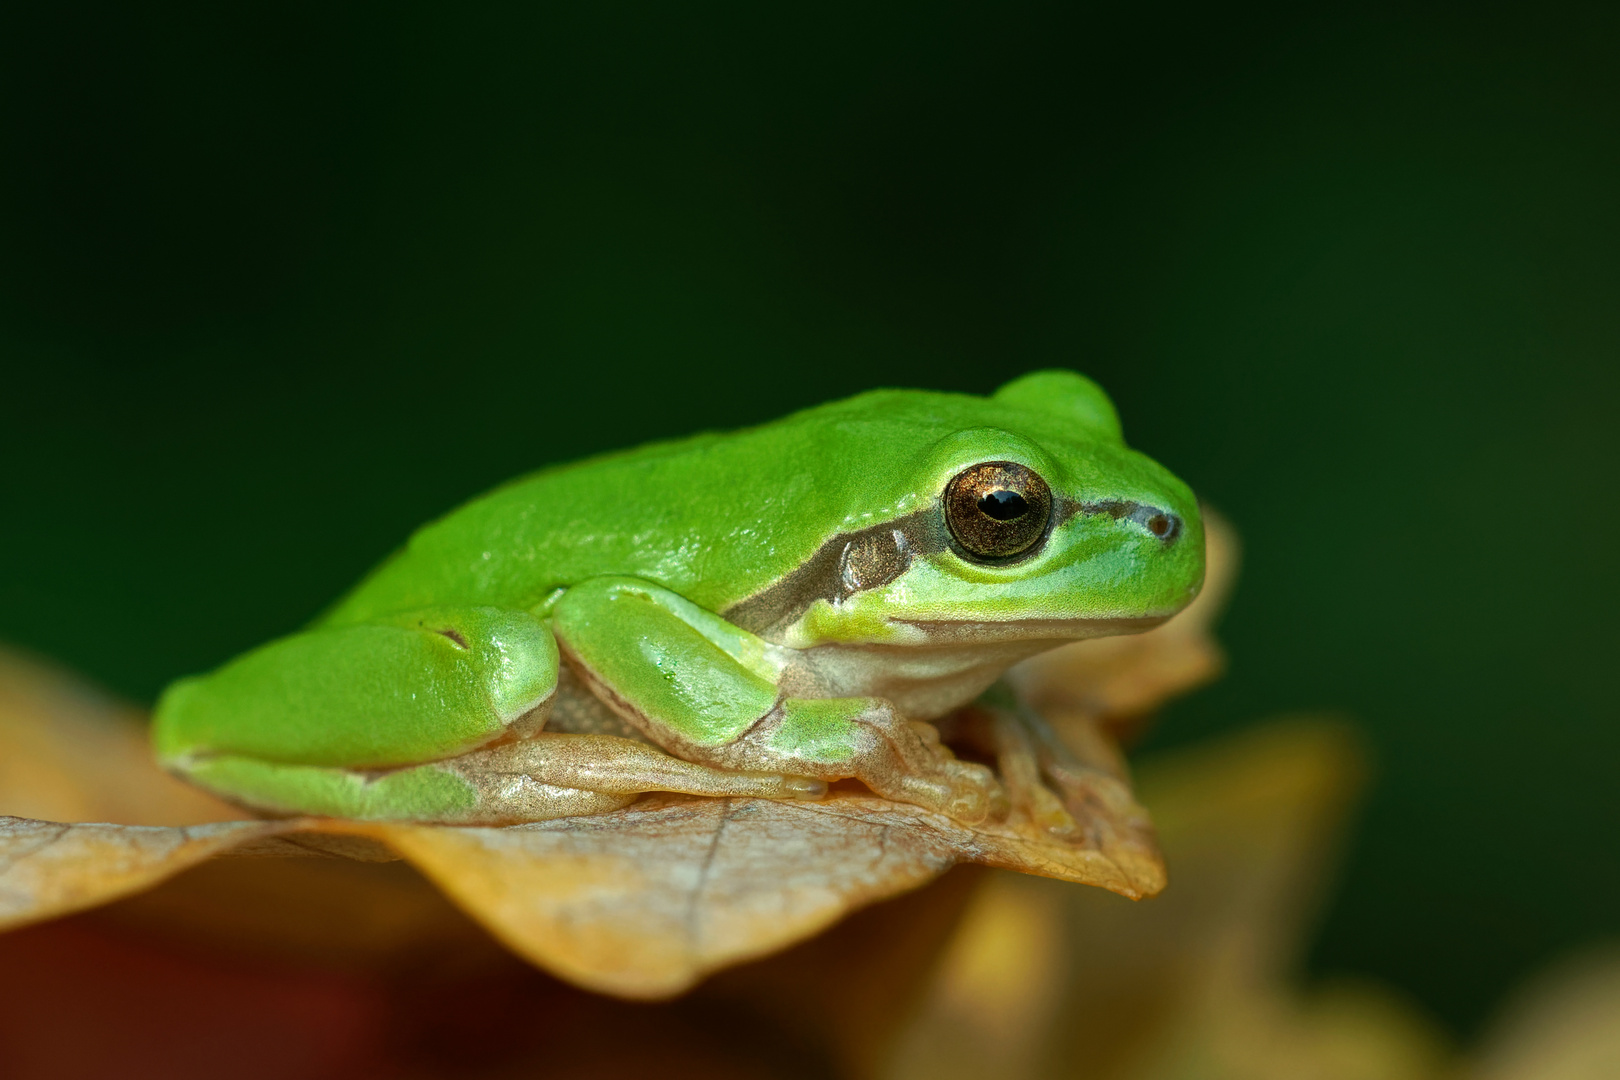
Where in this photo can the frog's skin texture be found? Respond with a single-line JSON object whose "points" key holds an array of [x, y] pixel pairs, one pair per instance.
{"points": [[755, 613]]}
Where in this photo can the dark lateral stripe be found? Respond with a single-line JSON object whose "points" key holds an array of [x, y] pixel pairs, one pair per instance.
{"points": [[822, 576]]}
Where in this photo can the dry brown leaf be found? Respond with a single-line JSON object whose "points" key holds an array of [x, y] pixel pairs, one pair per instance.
{"points": [[641, 903], [645, 901]]}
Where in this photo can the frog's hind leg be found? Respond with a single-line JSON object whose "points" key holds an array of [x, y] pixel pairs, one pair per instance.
{"points": [[432, 715], [550, 775]]}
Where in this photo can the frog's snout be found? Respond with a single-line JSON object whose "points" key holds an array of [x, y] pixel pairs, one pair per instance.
{"points": [[1157, 521]]}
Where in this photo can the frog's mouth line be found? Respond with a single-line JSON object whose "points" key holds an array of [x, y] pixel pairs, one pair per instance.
{"points": [[967, 631]]}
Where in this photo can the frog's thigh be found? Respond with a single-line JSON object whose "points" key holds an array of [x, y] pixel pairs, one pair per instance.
{"points": [[418, 687]]}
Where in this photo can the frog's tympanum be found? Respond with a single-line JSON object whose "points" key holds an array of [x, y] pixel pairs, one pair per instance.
{"points": [[754, 614]]}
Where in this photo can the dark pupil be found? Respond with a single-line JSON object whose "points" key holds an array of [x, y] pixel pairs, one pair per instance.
{"points": [[1003, 505]]}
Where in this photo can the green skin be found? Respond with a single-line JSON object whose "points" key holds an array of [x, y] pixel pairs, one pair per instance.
{"points": [[754, 613]]}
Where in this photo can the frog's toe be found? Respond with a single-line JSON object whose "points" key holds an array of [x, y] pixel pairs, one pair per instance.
{"points": [[803, 787], [968, 806], [975, 793], [962, 790]]}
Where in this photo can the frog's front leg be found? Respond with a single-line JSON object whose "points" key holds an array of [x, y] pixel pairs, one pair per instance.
{"points": [[706, 690]]}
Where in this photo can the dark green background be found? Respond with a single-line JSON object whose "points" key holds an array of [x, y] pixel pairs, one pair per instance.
{"points": [[280, 281]]}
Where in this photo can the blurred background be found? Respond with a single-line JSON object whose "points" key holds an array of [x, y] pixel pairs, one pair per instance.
{"points": [[279, 282]]}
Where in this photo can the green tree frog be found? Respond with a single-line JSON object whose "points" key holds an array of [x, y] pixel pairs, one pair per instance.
{"points": [[754, 613]]}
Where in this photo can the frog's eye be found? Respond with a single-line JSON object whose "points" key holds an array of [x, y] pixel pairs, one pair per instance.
{"points": [[998, 509]]}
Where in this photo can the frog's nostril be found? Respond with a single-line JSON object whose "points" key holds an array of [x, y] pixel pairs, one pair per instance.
{"points": [[1161, 523]]}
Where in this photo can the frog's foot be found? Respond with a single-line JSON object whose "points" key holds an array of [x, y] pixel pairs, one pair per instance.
{"points": [[1093, 777], [1019, 761], [608, 765], [865, 739]]}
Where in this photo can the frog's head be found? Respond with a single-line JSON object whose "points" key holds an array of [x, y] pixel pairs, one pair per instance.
{"points": [[1018, 517]]}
